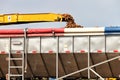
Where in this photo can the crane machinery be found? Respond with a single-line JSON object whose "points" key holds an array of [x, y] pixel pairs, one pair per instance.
{"points": [[7, 19]]}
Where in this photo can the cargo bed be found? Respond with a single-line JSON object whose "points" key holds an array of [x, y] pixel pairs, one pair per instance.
{"points": [[61, 53]]}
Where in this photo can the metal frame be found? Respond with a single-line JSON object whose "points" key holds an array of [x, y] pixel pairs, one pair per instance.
{"points": [[9, 60], [57, 73], [25, 50], [89, 57]]}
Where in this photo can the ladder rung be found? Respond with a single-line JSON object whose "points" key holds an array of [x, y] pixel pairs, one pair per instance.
{"points": [[15, 75], [16, 58], [16, 67]]}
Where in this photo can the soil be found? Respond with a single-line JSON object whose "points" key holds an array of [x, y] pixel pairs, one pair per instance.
{"points": [[70, 21]]}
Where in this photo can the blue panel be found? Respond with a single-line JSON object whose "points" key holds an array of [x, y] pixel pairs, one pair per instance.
{"points": [[114, 29]]}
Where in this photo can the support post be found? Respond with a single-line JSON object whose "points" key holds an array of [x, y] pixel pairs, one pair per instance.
{"points": [[24, 63], [57, 58], [88, 57], [8, 75]]}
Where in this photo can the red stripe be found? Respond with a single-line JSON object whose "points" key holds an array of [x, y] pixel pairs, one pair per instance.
{"points": [[116, 51], [50, 30], [32, 32], [50, 51], [2, 52], [34, 52], [67, 51], [99, 51], [82, 51], [60, 30], [39, 31]]}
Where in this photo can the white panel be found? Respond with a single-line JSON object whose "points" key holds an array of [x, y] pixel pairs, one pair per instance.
{"points": [[113, 43], [17, 44], [48, 44], [80, 43], [97, 43], [85, 30], [4, 44], [65, 44], [34, 45]]}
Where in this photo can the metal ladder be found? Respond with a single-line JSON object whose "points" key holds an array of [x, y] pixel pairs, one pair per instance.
{"points": [[21, 68], [11, 67]]}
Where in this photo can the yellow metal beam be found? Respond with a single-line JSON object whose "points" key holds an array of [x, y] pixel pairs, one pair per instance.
{"points": [[29, 18]]}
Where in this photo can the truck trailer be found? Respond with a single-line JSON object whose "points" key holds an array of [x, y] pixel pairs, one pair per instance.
{"points": [[60, 53]]}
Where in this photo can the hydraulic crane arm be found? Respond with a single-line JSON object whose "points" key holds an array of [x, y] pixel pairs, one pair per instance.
{"points": [[29, 18], [6, 19]]}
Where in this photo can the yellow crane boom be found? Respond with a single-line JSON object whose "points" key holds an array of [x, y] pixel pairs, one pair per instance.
{"points": [[6, 19], [29, 18]]}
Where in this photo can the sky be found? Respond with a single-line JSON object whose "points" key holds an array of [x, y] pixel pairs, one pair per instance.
{"points": [[88, 13]]}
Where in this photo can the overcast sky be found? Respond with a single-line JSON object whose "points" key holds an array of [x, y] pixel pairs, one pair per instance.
{"points": [[88, 13]]}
